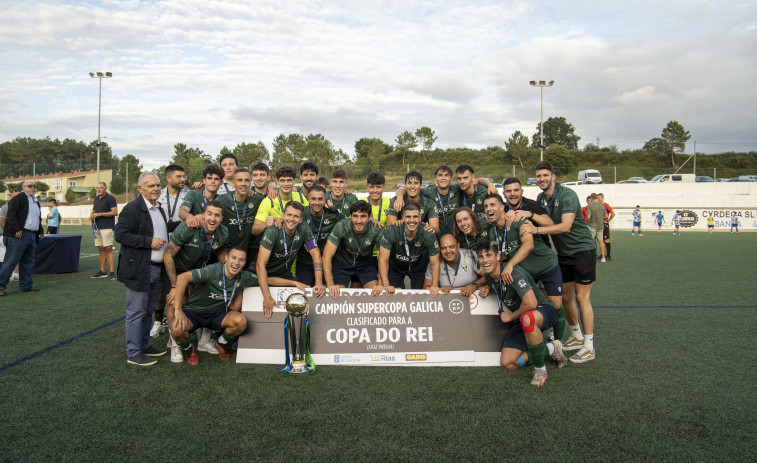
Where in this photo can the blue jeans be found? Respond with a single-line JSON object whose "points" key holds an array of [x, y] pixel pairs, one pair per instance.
{"points": [[139, 308], [19, 251]]}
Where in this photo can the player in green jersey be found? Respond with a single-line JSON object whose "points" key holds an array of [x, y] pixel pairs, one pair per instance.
{"points": [[429, 214], [529, 312], [216, 290], [193, 206], [321, 220], [469, 229], [278, 248], [576, 253], [239, 209], [348, 253], [337, 197], [405, 252]]}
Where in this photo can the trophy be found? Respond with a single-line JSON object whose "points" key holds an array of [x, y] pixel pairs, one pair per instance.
{"points": [[299, 334]]}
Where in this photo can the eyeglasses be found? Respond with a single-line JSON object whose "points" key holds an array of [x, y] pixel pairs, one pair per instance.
{"points": [[30, 186]]}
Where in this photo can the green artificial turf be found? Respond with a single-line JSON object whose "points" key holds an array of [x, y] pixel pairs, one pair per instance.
{"points": [[672, 381]]}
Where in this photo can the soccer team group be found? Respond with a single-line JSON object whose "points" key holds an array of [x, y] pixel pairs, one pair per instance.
{"points": [[195, 251]]}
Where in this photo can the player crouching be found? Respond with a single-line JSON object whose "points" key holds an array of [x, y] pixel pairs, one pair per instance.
{"points": [[529, 310], [216, 296]]}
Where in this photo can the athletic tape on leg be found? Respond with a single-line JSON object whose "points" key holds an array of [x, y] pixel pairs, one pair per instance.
{"points": [[528, 327]]}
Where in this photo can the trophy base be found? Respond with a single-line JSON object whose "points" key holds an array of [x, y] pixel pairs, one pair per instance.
{"points": [[299, 366]]}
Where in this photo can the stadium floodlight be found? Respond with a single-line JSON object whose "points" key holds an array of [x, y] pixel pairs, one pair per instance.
{"points": [[541, 85], [101, 76]]}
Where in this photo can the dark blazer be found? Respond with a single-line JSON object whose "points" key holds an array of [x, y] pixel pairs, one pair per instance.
{"points": [[18, 209], [134, 232]]}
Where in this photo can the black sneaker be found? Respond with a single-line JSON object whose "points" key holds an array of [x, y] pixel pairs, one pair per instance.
{"points": [[112, 276], [153, 352], [141, 360], [100, 274]]}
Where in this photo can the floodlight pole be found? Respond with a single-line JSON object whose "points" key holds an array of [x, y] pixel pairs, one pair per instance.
{"points": [[541, 84], [100, 76]]}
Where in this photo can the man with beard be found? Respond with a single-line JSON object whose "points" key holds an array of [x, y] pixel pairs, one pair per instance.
{"points": [[520, 248], [576, 253], [321, 221], [525, 208], [215, 290], [173, 195], [239, 209], [529, 312], [308, 177], [402, 254], [278, 248], [190, 248], [348, 253]]}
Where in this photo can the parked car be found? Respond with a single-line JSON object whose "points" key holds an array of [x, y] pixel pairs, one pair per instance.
{"points": [[673, 178], [589, 176], [704, 178], [634, 180], [531, 181]]}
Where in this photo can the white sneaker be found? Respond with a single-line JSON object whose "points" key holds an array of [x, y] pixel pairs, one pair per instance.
{"points": [[176, 355], [603, 260], [170, 342], [156, 330], [14, 277], [206, 344]]}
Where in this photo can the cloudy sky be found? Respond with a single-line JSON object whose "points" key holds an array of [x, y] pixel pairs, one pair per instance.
{"points": [[214, 73]]}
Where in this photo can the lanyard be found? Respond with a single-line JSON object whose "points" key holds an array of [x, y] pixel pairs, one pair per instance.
{"points": [[381, 206], [204, 198], [317, 236], [441, 206], [502, 246], [286, 249], [407, 250], [341, 206], [226, 301], [465, 201], [281, 204], [551, 202], [226, 185], [501, 292], [240, 223], [168, 205], [446, 269], [207, 246]]}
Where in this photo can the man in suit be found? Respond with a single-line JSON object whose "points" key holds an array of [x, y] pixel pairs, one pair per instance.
{"points": [[22, 231], [143, 233]]}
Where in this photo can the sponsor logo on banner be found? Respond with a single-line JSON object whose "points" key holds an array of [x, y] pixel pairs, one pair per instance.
{"points": [[456, 306], [688, 218], [383, 358], [282, 294], [473, 301], [345, 358], [415, 357]]}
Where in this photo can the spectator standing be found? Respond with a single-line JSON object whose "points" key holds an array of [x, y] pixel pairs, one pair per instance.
{"points": [[53, 218], [104, 212], [22, 231]]}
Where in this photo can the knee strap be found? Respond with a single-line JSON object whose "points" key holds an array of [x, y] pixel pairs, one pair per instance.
{"points": [[531, 325]]}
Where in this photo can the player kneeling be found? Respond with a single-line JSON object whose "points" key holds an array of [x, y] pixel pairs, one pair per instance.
{"points": [[530, 312], [214, 303]]}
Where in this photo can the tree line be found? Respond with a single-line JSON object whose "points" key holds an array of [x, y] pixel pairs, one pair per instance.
{"points": [[410, 149]]}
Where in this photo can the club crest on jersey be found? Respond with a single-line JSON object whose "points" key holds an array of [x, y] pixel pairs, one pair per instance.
{"points": [[367, 241], [522, 283]]}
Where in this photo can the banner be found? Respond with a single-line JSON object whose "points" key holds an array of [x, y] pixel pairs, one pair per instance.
{"points": [[409, 328], [691, 218]]}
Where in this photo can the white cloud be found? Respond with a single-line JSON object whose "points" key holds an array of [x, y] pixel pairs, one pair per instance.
{"points": [[211, 73]]}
